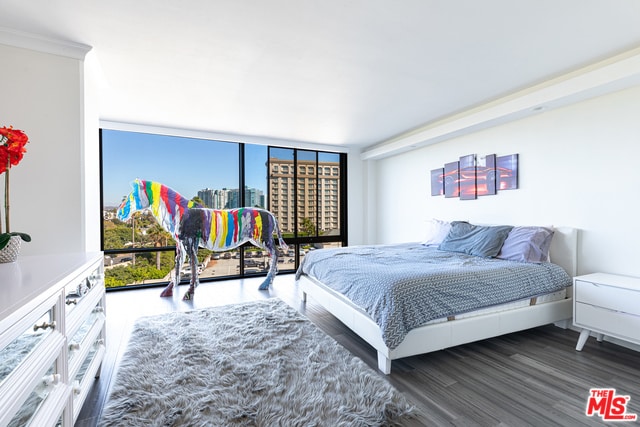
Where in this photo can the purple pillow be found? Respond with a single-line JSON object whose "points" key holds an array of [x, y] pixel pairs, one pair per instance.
{"points": [[527, 244]]}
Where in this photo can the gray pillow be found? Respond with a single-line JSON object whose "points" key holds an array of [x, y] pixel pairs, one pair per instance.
{"points": [[475, 240], [527, 244]]}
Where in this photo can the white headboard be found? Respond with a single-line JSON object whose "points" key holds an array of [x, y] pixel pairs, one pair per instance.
{"points": [[564, 249]]}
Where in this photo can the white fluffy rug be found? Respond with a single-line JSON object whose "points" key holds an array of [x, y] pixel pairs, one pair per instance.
{"points": [[253, 364]]}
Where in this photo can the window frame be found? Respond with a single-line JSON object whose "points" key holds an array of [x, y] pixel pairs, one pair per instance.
{"points": [[296, 242]]}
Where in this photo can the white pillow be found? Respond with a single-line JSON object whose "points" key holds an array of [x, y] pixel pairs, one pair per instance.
{"points": [[437, 230]]}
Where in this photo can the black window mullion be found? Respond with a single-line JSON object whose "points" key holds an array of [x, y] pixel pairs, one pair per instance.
{"points": [[241, 196], [295, 193], [268, 178], [343, 199], [241, 177], [315, 188], [101, 190]]}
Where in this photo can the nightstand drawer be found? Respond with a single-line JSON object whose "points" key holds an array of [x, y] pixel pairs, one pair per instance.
{"points": [[605, 296], [610, 322]]}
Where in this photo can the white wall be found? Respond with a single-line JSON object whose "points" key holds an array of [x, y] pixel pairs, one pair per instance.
{"points": [[42, 94], [356, 198], [91, 154], [578, 167]]}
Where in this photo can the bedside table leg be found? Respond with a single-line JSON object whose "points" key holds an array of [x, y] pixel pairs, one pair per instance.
{"points": [[599, 337], [583, 339]]}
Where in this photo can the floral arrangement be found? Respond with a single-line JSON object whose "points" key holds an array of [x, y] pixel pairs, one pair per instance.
{"points": [[12, 149]]}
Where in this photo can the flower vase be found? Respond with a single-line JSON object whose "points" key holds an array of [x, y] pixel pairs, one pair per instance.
{"points": [[10, 252]]}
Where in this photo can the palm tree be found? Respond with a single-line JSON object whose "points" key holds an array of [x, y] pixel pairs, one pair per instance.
{"points": [[158, 236]]}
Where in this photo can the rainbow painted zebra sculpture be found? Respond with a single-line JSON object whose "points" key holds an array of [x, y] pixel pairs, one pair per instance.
{"points": [[193, 226]]}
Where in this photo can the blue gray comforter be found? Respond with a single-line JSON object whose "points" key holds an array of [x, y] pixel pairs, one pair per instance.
{"points": [[406, 285]]}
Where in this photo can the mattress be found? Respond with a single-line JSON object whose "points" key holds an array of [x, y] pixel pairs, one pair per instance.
{"points": [[541, 299]]}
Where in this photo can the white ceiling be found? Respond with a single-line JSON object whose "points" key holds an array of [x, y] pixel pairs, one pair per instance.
{"points": [[336, 72]]}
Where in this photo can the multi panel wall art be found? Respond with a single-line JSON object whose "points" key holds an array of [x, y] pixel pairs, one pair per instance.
{"points": [[472, 176]]}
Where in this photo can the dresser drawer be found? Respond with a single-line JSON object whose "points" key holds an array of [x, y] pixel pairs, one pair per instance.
{"points": [[89, 370], [26, 338], [78, 290], [47, 396], [605, 296], [84, 339], [34, 389], [609, 322], [85, 308]]}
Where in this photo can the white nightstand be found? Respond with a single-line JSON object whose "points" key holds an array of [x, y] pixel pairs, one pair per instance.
{"points": [[607, 304]]}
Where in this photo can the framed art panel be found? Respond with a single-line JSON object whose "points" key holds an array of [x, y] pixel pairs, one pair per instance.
{"points": [[451, 180], [437, 182], [486, 175], [507, 172], [468, 177]]}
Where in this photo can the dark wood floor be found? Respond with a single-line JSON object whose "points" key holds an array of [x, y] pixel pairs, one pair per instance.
{"points": [[531, 378]]}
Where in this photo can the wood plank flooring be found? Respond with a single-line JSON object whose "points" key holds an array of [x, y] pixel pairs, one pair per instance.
{"points": [[530, 378]]}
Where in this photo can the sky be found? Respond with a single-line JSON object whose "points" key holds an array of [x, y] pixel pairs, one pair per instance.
{"points": [[185, 164]]}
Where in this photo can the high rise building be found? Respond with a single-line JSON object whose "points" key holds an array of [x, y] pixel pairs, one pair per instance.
{"points": [[233, 199], [220, 199], [253, 198], [206, 196], [229, 198], [316, 187]]}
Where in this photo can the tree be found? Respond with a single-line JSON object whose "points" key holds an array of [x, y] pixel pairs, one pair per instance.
{"points": [[158, 237], [307, 227], [116, 234]]}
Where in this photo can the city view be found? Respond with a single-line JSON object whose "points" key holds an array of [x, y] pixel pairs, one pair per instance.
{"points": [[301, 189]]}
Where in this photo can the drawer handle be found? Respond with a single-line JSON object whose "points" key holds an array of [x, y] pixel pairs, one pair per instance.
{"points": [[98, 309], [45, 325], [71, 301], [100, 341], [74, 346]]}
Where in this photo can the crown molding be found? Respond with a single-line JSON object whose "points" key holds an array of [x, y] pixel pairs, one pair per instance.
{"points": [[15, 38]]}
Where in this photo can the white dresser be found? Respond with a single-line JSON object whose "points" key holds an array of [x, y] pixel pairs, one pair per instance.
{"points": [[51, 337], [607, 304]]}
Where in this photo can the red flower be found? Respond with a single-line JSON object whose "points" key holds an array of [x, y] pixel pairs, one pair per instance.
{"points": [[12, 142], [12, 147]]}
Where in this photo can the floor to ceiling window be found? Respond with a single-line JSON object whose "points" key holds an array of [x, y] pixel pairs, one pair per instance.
{"points": [[305, 190], [305, 195]]}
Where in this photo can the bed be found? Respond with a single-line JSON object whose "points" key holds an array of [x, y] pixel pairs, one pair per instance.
{"points": [[541, 308]]}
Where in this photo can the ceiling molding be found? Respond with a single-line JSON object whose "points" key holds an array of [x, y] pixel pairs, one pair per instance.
{"points": [[42, 44], [616, 73], [217, 136]]}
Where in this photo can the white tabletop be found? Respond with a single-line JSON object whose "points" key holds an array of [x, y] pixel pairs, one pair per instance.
{"points": [[32, 279]]}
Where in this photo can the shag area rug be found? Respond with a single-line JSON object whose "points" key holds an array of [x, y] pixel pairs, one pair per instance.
{"points": [[251, 364]]}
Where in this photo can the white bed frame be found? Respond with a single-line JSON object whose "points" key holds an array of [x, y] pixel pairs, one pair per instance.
{"points": [[442, 335]]}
